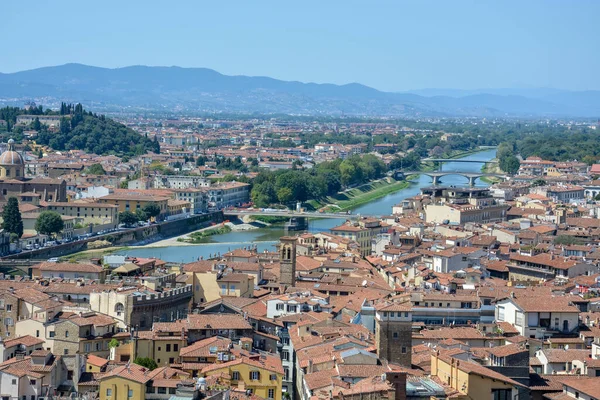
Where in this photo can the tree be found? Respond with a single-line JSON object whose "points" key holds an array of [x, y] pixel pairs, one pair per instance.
{"points": [[538, 182], [11, 217], [284, 195], [113, 343], [141, 215], [36, 125], [49, 223], [96, 169], [128, 218], [152, 210], [510, 164], [146, 362]]}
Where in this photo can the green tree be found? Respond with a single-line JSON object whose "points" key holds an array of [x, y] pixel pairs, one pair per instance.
{"points": [[141, 215], [113, 343], [284, 195], [152, 210], [146, 362], [128, 218], [96, 169], [11, 217], [538, 182], [36, 125], [510, 164], [49, 223]]}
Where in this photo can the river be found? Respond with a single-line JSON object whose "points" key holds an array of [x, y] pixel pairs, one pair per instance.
{"points": [[266, 238]]}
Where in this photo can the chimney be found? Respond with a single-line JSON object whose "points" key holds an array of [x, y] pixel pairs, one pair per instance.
{"points": [[310, 366]]}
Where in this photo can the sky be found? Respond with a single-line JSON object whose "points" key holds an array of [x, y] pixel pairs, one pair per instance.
{"points": [[390, 45]]}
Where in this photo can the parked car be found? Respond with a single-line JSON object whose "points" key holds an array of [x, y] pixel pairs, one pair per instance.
{"points": [[53, 260]]}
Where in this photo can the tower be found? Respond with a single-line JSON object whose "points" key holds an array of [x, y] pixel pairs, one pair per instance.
{"points": [[393, 333], [287, 260]]}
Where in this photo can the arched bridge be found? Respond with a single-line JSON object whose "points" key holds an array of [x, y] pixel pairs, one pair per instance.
{"points": [[471, 176]]}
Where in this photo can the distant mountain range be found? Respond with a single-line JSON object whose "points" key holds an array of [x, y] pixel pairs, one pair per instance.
{"points": [[204, 90]]}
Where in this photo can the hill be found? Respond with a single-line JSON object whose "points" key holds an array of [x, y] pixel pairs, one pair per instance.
{"points": [[83, 130], [205, 90]]}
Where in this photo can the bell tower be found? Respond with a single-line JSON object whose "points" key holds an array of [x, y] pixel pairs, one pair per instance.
{"points": [[287, 260]]}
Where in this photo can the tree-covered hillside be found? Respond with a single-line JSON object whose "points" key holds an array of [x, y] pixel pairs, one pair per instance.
{"points": [[83, 130]]}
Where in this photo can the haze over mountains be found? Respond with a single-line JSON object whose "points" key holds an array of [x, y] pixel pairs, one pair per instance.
{"points": [[205, 90]]}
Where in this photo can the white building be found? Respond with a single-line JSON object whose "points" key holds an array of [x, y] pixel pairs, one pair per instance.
{"points": [[538, 316]]}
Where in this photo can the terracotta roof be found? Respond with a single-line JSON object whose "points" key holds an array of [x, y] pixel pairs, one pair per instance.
{"points": [[70, 267]]}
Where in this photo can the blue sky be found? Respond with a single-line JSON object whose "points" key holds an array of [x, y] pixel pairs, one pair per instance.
{"points": [[390, 45]]}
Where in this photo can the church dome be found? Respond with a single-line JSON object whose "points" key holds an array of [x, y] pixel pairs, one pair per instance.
{"points": [[10, 156]]}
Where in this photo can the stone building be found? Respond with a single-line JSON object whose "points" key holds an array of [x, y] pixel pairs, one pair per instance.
{"points": [[287, 259], [393, 333], [13, 181], [141, 307]]}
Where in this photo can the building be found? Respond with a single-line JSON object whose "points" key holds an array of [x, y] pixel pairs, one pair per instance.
{"points": [[132, 381], [133, 201], [471, 380], [393, 332], [30, 377], [140, 307], [51, 270], [228, 194], [195, 197], [87, 213], [362, 232], [48, 120], [180, 181], [287, 260], [458, 206], [258, 374], [13, 181], [536, 317]]}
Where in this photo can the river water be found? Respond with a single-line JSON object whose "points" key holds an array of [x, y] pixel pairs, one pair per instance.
{"points": [[266, 238]]}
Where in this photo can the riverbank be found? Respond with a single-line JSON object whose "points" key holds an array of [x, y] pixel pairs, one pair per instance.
{"points": [[491, 168], [355, 197], [201, 235]]}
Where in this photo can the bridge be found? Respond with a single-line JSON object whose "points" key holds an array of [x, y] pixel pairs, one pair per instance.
{"points": [[458, 160], [286, 213], [471, 176]]}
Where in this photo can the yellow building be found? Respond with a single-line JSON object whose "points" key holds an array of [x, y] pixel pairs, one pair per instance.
{"points": [[203, 352], [162, 347], [472, 380], [213, 285], [133, 382], [261, 374], [133, 201]]}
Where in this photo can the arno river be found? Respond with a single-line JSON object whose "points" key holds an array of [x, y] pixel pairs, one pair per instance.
{"points": [[265, 238]]}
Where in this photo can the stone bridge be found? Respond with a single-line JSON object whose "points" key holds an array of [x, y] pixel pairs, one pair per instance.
{"points": [[471, 176]]}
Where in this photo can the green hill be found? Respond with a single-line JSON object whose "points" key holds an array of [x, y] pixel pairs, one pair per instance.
{"points": [[83, 130]]}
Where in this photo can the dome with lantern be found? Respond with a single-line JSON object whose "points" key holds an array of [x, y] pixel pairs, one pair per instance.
{"points": [[12, 165]]}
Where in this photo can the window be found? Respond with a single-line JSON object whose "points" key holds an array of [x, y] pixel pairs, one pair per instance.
{"points": [[108, 392], [501, 394], [37, 333], [14, 381], [271, 394], [98, 346], [8, 321], [235, 376], [175, 347], [254, 375], [52, 334], [172, 391], [162, 390], [130, 393], [395, 335], [171, 360], [66, 351], [279, 307], [403, 350], [291, 308], [168, 347], [87, 347], [32, 382], [273, 377], [285, 355], [392, 314], [66, 333]]}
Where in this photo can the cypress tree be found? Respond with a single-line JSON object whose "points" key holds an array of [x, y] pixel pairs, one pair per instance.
{"points": [[11, 217]]}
